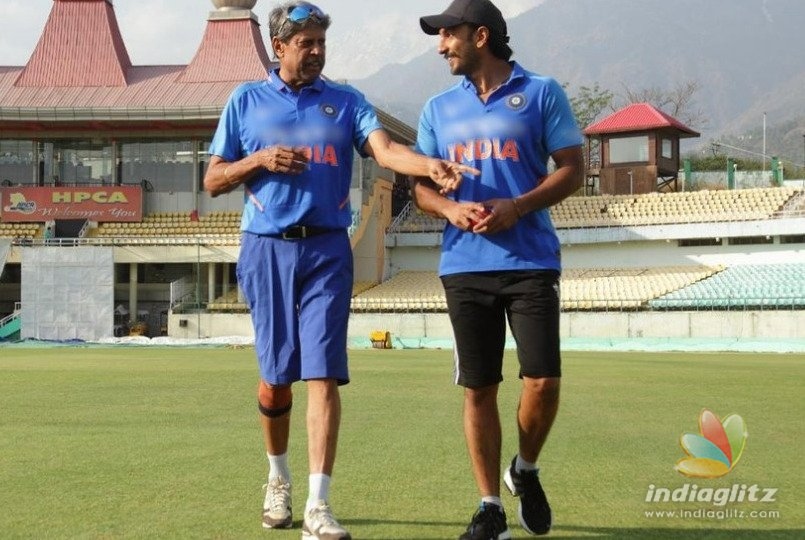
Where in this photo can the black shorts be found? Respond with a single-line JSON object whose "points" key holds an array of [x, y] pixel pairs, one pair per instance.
{"points": [[479, 304]]}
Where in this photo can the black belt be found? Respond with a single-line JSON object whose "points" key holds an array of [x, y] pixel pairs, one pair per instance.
{"points": [[297, 232]]}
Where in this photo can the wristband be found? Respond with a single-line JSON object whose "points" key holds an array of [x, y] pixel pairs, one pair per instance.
{"points": [[517, 207]]}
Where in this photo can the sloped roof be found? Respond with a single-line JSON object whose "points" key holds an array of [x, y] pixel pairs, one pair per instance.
{"points": [[81, 45], [231, 50], [80, 70], [638, 117], [151, 89]]}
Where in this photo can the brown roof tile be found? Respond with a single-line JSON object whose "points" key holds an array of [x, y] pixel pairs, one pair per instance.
{"points": [[81, 63], [231, 50], [80, 72], [81, 45]]}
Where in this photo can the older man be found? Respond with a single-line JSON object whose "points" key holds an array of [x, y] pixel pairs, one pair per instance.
{"points": [[500, 254], [289, 141]]}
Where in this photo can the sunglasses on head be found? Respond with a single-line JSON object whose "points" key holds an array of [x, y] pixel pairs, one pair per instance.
{"points": [[300, 14]]}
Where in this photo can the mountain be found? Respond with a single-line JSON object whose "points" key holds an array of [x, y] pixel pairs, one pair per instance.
{"points": [[785, 124], [400, 46], [368, 39], [745, 55]]}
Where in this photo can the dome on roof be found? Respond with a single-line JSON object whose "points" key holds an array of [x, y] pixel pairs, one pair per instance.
{"points": [[234, 4]]}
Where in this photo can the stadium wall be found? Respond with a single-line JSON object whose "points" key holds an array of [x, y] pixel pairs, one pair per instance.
{"points": [[661, 253], [185, 201], [631, 254], [687, 324], [614, 325], [209, 325], [608, 325]]}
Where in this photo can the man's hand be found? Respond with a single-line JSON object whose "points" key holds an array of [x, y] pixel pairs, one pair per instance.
{"points": [[284, 159], [449, 174], [502, 215], [465, 215]]}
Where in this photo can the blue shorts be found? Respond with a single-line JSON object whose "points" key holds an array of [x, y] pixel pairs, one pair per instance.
{"points": [[299, 295]]}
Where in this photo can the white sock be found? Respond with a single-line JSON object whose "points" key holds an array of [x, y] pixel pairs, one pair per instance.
{"points": [[492, 500], [278, 466], [523, 465], [318, 489]]}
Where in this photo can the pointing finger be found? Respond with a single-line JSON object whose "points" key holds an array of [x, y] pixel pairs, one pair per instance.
{"points": [[466, 169]]}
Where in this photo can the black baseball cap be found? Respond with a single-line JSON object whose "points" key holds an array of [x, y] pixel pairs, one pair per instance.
{"points": [[480, 12]]}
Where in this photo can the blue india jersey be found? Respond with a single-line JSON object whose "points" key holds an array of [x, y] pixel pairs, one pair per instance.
{"points": [[510, 139], [328, 120]]}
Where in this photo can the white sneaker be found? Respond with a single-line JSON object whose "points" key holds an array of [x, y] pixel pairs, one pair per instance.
{"points": [[277, 504], [320, 524]]}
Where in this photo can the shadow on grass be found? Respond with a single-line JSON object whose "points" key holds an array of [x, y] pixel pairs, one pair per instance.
{"points": [[570, 531], [396, 524]]}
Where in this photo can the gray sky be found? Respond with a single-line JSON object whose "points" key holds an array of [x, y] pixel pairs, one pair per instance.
{"points": [[365, 34]]}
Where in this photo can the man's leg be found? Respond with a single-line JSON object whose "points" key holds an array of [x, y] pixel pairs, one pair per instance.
{"points": [[324, 300], [539, 402], [266, 270], [325, 292], [479, 328], [482, 432], [275, 417], [534, 318], [274, 404], [323, 421]]}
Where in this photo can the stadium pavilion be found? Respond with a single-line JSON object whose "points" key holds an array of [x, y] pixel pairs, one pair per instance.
{"points": [[93, 147], [104, 228]]}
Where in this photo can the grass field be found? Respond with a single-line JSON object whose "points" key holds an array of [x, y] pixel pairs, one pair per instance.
{"points": [[164, 443]]}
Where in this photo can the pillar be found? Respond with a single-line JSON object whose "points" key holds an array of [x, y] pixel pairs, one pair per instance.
{"points": [[688, 175], [776, 173], [133, 268], [210, 282], [225, 280], [730, 174]]}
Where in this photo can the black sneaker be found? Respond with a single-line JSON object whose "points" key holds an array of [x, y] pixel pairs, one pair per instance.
{"points": [[534, 512], [488, 523]]}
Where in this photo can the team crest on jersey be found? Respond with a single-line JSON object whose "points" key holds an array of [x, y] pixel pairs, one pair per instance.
{"points": [[516, 101], [329, 110]]}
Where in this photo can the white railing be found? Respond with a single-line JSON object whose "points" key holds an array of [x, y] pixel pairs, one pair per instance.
{"points": [[8, 318], [233, 239], [182, 291], [401, 217], [84, 228]]}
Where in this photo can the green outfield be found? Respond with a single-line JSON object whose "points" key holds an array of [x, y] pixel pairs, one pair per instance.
{"points": [[164, 443]]}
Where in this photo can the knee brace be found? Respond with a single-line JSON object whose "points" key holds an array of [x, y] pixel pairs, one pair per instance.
{"points": [[274, 401]]}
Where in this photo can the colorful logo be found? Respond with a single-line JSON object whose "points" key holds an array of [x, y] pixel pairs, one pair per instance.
{"points": [[20, 204], [516, 101], [329, 110], [717, 449]]}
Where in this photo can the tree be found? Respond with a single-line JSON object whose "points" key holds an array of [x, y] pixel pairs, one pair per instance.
{"points": [[589, 102], [679, 102], [718, 162]]}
